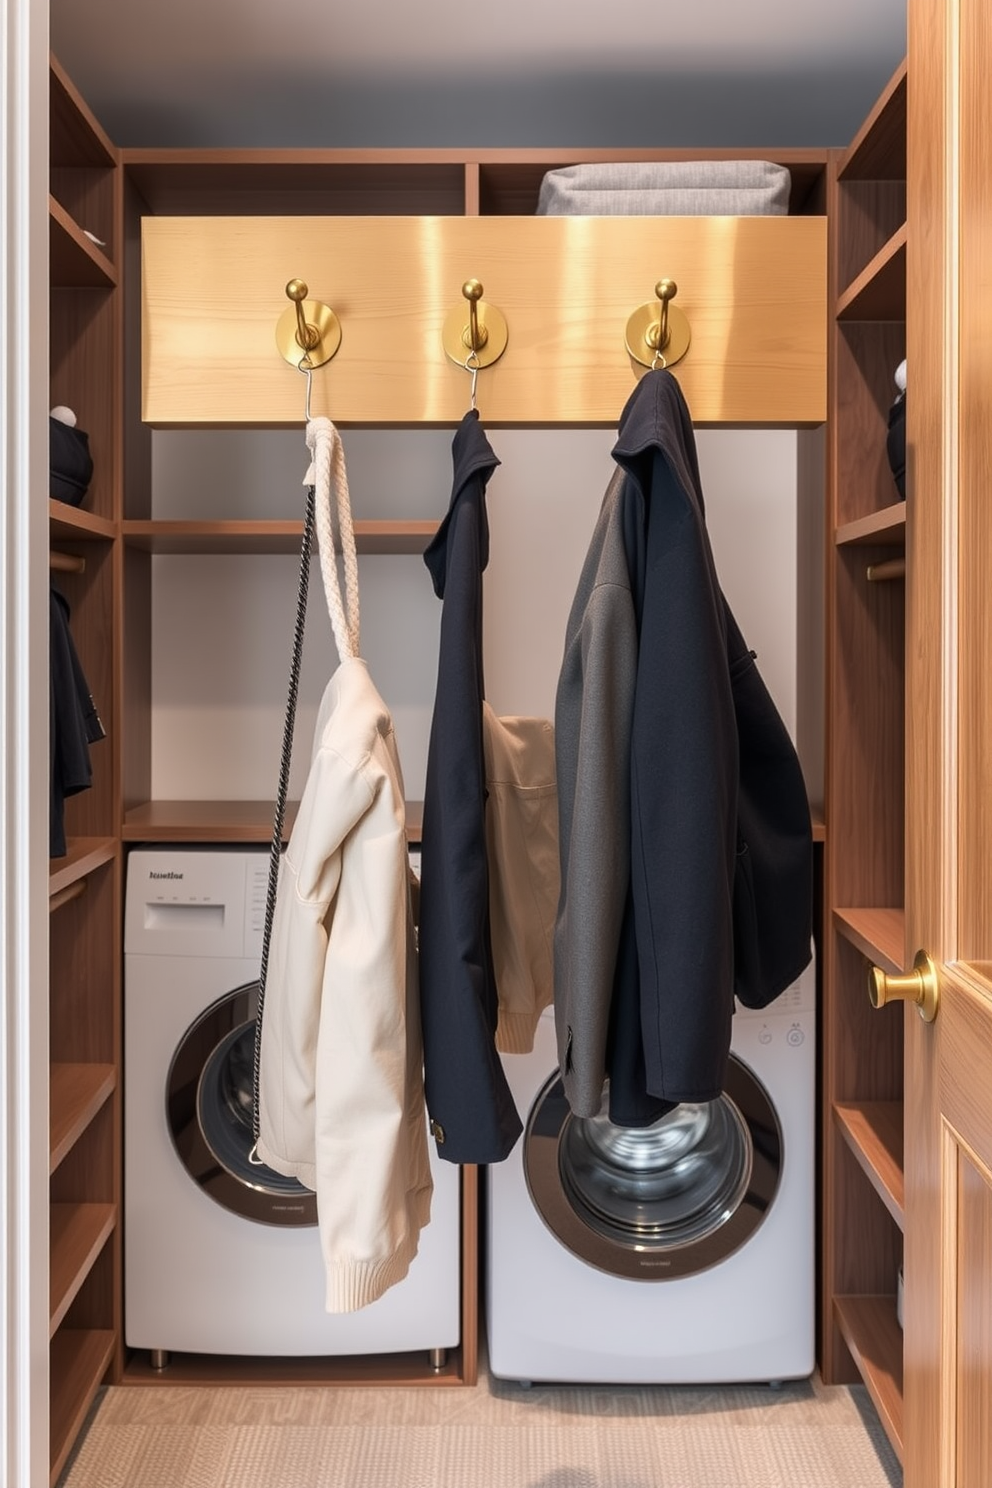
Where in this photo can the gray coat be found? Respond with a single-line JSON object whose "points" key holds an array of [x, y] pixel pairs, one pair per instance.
{"points": [[594, 710], [685, 841]]}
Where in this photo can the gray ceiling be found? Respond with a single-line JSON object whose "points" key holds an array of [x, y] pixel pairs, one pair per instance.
{"points": [[518, 72]]}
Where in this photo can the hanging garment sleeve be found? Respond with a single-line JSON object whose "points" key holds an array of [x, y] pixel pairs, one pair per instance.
{"points": [[340, 1098], [473, 1117], [326, 471]]}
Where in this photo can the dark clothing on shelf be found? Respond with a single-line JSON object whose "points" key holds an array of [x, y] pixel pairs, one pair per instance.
{"points": [[74, 722]]}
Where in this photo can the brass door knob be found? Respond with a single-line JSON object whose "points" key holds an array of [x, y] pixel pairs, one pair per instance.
{"points": [[919, 986]]}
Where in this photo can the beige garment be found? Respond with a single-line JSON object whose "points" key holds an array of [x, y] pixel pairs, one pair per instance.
{"points": [[341, 1093], [522, 851], [341, 1100]]}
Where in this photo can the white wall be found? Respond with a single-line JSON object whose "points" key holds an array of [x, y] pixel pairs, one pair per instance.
{"points": [[222, 626], [24, 784]]}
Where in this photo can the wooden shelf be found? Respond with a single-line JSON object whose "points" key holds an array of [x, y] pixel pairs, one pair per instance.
{"points": [[76, 139], [879, 291], [78, 1360], [205, 821], [879, 934], [76, 1094], [874, 1132], [878, 150], [269, 537], [882, 527], [75, 522], [84, 856], [223, 821], [75, 260], [510, 180], [78, 1232], [872, 1333], [310, 182], [420, 182]]}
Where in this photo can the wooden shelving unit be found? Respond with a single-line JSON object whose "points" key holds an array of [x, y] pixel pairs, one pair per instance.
{"points": [[116, 536], [260, 183], [887, 526], [877, 933], [224, 821], [79, 1360], [369, 182], [76, 1093], [873, 1131], [76, 524], [868, 1325], [86, 1348], [269, 537], [77, 1236], [863, 1199], [879, 291]]}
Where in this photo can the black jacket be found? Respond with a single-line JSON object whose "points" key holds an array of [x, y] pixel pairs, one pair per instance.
{"points": [[74, 722], [473, 1117], [721, 862]]}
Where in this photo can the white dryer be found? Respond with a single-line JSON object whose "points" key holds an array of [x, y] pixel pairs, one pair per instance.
{"points": [[682, 1253], [222, 1256]]}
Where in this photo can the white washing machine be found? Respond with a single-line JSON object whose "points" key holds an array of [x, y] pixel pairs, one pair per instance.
{"points": [[680, 1254], [222, 1256]]}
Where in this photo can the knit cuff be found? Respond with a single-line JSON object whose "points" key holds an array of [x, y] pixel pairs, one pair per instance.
{"points": [[354, 1284], [515, 1031]]}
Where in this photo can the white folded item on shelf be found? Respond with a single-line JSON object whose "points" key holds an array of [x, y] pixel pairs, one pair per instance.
{"points": [[679, 188]]}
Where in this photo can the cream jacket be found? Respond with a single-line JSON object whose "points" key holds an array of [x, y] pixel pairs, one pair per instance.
{"points": [[341, 1101], [340, 1086]]}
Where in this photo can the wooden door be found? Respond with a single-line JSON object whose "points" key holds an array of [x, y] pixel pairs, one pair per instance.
{"points": [[948, 1088]]}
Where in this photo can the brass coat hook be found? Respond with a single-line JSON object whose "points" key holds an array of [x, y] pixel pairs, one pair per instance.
{"points": [[658, 336], [308, 333], [483, 339]]}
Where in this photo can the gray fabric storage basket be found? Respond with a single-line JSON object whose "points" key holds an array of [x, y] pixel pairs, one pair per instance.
{"points": [[673, 188]]}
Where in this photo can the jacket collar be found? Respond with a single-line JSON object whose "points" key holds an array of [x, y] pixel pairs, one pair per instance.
{"points": [[656, 419], [473, 463]]}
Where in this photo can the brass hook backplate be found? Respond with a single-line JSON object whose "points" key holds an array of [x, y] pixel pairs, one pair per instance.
{"points": [[308, 333], [488, 323], [658, 320]]}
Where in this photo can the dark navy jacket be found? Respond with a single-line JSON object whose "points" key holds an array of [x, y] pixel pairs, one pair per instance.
{"points": [[74, 722], [721, 861], [472, 1114]]}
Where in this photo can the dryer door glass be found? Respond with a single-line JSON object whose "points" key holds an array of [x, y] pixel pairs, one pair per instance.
{"points": [[209, 1110], [664, 1185], [661, 1201]]}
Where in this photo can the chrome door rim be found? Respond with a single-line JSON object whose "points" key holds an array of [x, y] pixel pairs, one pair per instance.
{"points": [[643, 1252], [217, 1160]]}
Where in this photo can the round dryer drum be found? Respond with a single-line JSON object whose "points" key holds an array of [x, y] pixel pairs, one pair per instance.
{"points": [[209, 1108], [661, 1201]]}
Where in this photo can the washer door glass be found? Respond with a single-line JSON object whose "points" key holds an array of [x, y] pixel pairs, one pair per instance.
{"points": [[661, 1201], [209, 1111]]}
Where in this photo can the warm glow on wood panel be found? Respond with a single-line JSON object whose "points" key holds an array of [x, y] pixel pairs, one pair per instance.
{"points": [[753, 290]]}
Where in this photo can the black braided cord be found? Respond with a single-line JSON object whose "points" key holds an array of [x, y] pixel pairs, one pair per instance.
{"points": [[284, 764]]}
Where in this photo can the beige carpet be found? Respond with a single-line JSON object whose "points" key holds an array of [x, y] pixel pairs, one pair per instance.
{"points": [[493, 1436]]}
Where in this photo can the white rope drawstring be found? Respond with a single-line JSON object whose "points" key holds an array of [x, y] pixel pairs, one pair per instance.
{"points": [[328, 475]]}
